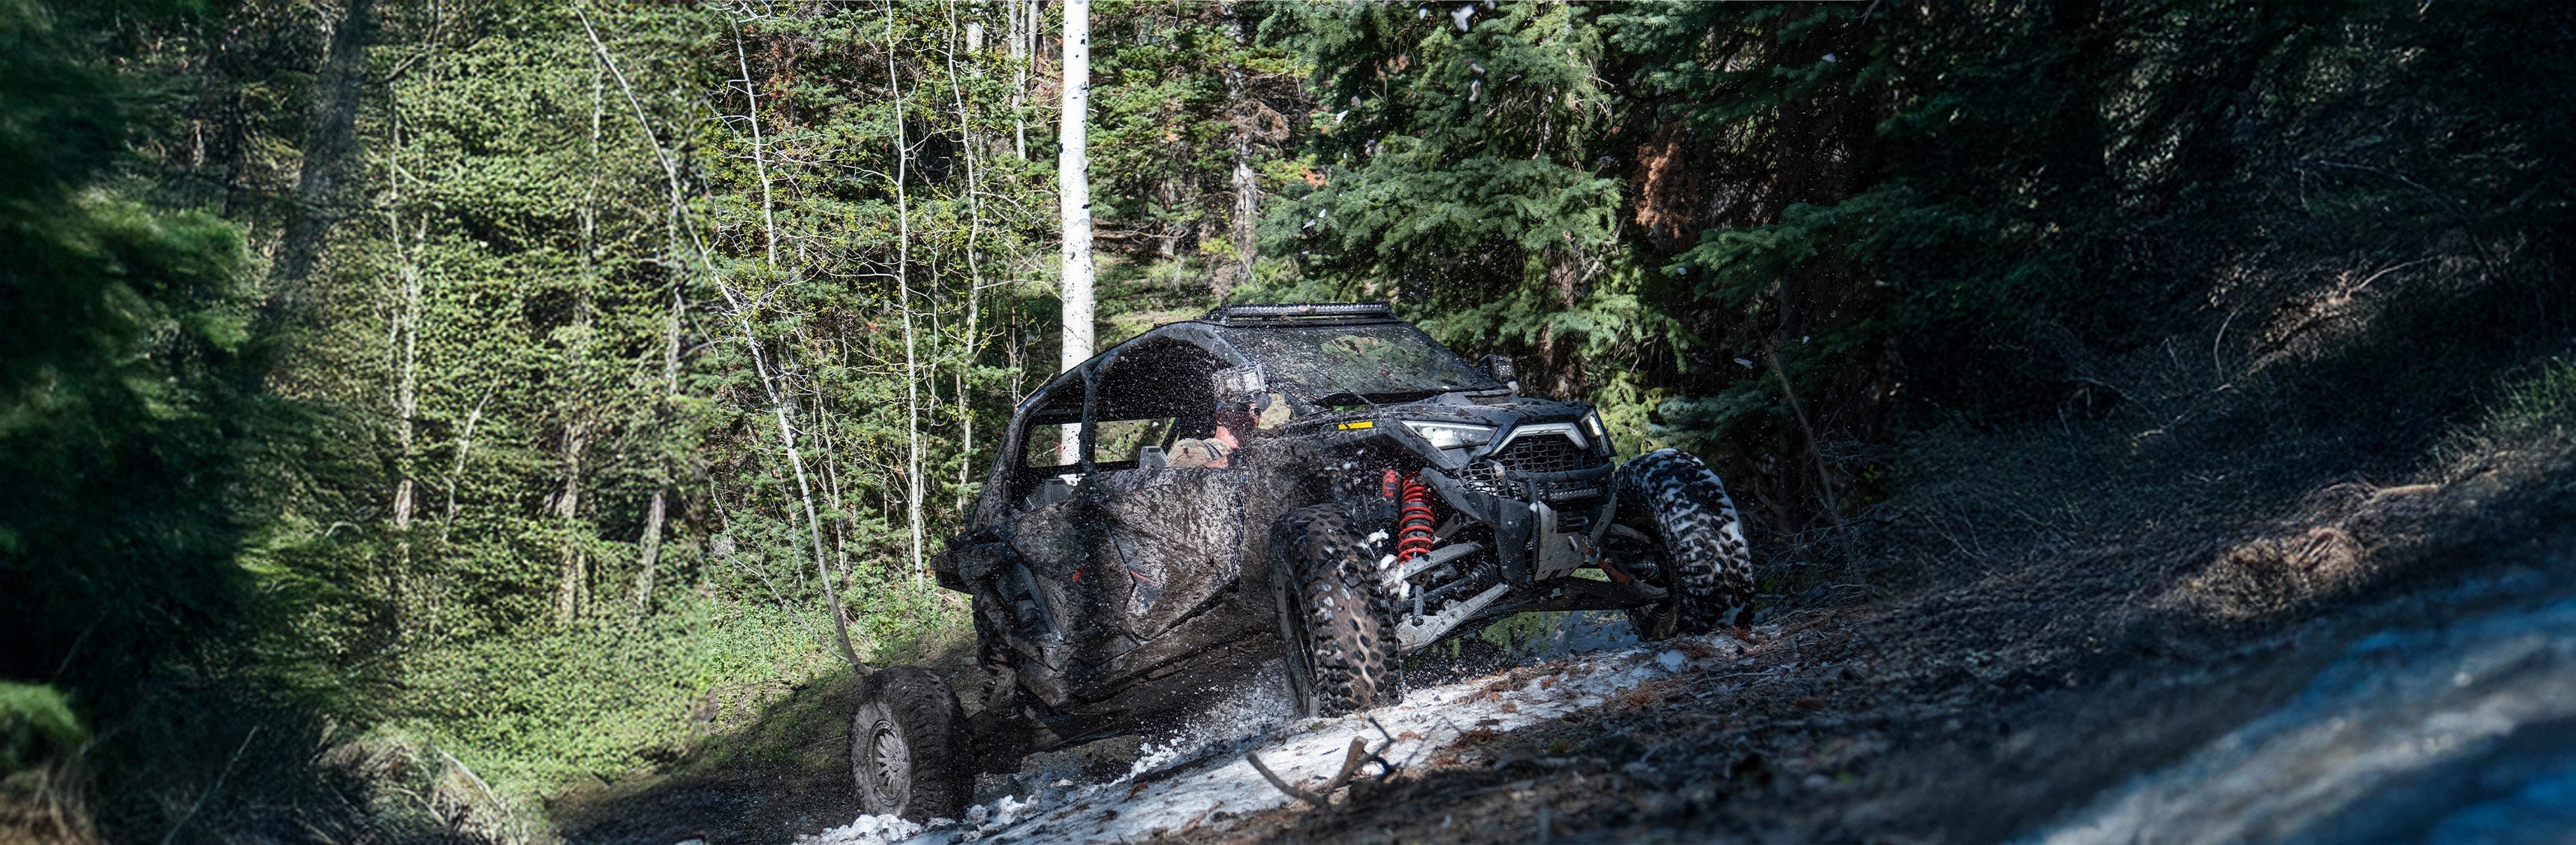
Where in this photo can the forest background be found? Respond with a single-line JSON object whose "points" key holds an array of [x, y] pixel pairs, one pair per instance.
{"points": [[409, 408]]}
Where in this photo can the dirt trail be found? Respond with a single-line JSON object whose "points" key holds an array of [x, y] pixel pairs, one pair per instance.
{"points": [[2290, 677], [1179, 787]]}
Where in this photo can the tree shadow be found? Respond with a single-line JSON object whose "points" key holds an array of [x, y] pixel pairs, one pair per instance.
{"points": [[782, 772]]}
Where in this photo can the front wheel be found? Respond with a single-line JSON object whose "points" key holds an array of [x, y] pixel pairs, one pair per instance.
{"points": [[908, 746], [1334, 612], [1677, 506]]}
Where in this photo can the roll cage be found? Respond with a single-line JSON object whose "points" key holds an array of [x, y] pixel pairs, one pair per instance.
{"points": [[1311, 359]]}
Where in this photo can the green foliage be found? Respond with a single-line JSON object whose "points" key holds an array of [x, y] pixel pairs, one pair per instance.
{"points": [[533, 711], [1773, 230], [1194, 112], [1521, 630], [2534, 412], [896, 317], [1465, 179], [2546, 399], [524, 376], [1178, 87], [636, 326], [36, 724], [124, 379], [1456, 161]]}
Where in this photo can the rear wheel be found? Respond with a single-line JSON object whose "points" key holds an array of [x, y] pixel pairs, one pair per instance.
{"points": [[908, 746], [1674, 503], [1334, 613]]}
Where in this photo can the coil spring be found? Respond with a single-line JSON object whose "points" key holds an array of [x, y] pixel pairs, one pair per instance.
{"points": [[1414, 521]]}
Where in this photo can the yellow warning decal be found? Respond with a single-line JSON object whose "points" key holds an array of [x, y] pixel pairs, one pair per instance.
{"points": [[1349, 426]]}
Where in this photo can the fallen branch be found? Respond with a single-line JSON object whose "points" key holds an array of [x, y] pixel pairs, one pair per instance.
{"points": [[1350, 763]]}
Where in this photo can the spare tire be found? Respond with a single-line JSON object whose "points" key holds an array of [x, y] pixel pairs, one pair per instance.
{"points": [[1335, 615], [1697, 544], [908, 746]]}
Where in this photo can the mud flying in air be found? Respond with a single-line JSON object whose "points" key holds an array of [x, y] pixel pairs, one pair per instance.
{"points": [[1317, 490]]}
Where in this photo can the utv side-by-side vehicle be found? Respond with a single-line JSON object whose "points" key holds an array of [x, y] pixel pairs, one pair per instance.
{"points": [[1353, 492]]}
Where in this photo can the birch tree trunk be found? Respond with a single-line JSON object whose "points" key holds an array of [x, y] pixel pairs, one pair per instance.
{"points": [[913, 487], [656, 513], [1073, 186], [1247, 188], [406, 347], [974, 342], [569, 593], [574, 592], [759, 162], [1024, 25]]}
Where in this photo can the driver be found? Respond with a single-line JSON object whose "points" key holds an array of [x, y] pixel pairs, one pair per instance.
{"points": [[1216, 450]]}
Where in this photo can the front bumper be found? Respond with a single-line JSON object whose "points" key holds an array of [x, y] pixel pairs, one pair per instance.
{"points": [[1555, 526]]}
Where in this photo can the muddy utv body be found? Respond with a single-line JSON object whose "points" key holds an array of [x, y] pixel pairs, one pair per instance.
{"points": [[1382, 495]]}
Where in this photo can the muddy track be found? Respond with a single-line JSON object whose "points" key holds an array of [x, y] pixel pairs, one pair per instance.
{"points": [[2043, 697]]}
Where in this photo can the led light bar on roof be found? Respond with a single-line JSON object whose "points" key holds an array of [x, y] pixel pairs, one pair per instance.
{"points": [[1321, 312]]}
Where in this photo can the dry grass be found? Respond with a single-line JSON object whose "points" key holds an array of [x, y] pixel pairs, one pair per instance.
{"points": [[43, 806]]}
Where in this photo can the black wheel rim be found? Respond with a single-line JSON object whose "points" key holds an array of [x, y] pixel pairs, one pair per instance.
{"points": [[888, 765]]}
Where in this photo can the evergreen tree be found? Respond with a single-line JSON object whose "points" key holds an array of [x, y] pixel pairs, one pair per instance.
{"points": [[1772, 232], [1198, 119], [128, 383]]}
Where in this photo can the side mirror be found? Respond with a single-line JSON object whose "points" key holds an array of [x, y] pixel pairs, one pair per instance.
{"points": [[1500, 367]]}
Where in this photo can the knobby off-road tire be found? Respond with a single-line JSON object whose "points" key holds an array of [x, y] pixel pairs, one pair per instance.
{"points": [[1707, 571], [908, 746], [1335, 614]]}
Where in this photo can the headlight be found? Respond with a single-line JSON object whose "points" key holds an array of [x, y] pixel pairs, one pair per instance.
{"points": [[1592, 426], [1452, 435]]}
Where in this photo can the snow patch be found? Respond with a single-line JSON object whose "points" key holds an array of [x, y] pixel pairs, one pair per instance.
{"points": [[1007, 810], [1197, 776], [867, 830]]}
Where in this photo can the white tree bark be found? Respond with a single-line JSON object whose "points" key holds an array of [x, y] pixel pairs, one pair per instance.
{"points": [[973, 339], [1247, 209], [574, 592], [406, 339], [913, 491], [759, 163], [1073, 186], [1024, 24]]}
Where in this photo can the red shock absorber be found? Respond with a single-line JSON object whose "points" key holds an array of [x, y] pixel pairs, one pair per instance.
{"points": [[1413, 521]]}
